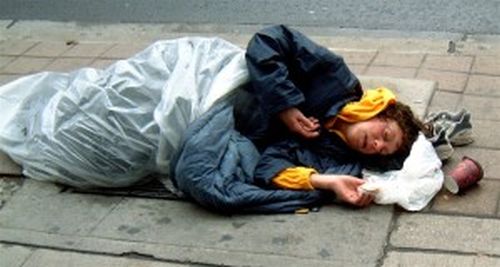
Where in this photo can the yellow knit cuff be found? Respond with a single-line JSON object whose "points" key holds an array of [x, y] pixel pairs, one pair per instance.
{"points": [[296, 178]]}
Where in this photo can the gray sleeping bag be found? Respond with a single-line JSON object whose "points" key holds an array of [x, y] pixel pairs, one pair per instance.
{"points": [[215, 167]]}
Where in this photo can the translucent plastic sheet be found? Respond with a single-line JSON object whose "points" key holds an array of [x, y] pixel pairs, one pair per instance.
{"points": [[113, 127]]}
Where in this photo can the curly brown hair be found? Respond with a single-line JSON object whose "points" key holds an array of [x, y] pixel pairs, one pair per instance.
{"points": [[410, 125]]}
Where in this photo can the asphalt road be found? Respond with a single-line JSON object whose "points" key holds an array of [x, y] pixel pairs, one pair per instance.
{"points": [[455, 16]]}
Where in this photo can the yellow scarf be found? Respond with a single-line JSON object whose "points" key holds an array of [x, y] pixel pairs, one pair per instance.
{"points": [[371, 103]]}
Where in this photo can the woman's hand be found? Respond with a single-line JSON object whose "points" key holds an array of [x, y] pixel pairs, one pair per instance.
{"points": [[344, 186], [300, 124]]}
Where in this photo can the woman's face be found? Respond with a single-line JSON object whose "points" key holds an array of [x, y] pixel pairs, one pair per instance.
{"points": [[375, 136]]}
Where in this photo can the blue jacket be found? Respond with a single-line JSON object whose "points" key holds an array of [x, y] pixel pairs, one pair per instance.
{"points": [[327, 154], [287, 69]]}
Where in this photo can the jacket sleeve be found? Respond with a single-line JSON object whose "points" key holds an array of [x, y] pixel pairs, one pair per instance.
{"points": [[297, 178], [274, 160], [326, 155], [276, 57]]}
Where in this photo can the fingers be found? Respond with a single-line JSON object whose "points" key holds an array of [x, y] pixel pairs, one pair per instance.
{"points": [[295, 120], [360, 199], [309, 123], [356, 182], [308, 133], [309, 127], [345, 187], [364, 200]]}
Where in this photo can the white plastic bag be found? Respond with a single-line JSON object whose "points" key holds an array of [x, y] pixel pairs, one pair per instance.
{"points": [[415, 184]]}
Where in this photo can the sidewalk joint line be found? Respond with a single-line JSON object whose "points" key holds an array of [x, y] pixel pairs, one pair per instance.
{"points": [[442, 251], [419, 69], [485, 147], [14, 21], [458, 214], [468, 93], [115, 206], [126, 255], [128, 241], [469, 74], [387, 245]]}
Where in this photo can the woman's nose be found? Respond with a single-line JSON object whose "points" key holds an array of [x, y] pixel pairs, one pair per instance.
{"points": [[378, 145]]}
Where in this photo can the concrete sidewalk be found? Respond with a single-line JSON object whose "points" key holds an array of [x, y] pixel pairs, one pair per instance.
{"points": [[44, 225]]}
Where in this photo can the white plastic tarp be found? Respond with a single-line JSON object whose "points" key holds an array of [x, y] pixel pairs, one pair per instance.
{"points": [[113, 127]]}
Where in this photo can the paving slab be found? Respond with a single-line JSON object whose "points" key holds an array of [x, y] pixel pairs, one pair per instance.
{"points": [[480, 200], [485, 107], [43, 207], [48, 49], [425, 259], [26, 65], [449, 81], [45, 257], [4, 60], [357, 57], [487, 65], [68, 64], [398, 59], [120, 51], [456, 63], [87, 49], [444, 101], [388, 71], [483, 85], [487, 157], [163, 252], [15, 47], [462, 234], [326, 235], [14, 256], [183, 231]]}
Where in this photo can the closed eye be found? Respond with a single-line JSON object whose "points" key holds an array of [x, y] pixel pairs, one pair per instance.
{"points": [[386, 134]]}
